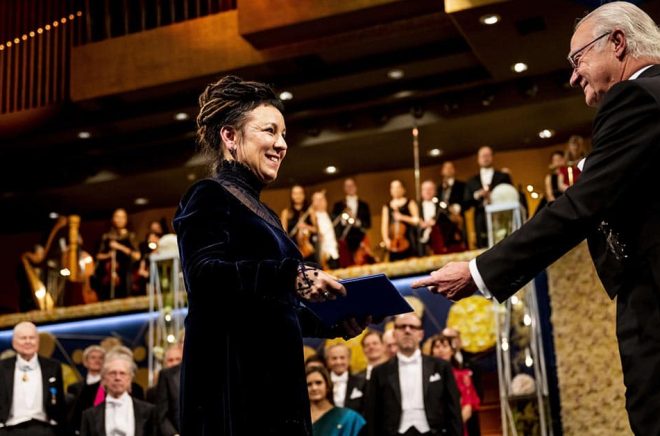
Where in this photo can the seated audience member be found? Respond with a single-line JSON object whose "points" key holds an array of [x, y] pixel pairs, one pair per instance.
{"points": [[412, 394], [442, 348], [315, 360], [328, 420], [390, 343], [31, 392], [92, 360], [374, 350], [173, 356], [84, 391], [120, 414], [348, 389], [167, 392]]}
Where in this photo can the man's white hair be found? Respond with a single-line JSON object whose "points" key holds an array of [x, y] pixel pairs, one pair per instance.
{"points": [[642, 34]]}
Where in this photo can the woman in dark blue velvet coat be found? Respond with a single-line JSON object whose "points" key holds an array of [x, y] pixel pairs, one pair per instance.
{"points": [[243, 371]]}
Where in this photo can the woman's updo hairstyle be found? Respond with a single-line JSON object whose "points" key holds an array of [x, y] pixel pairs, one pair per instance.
{"points": [[227, 103]]}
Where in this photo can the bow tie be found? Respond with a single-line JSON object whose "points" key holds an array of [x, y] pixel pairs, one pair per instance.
{"points": [[339, 378], [113, 402]]}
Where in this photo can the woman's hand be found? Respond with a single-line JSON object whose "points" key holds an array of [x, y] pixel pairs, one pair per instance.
{"points": [[350, 328], [315, 285]]}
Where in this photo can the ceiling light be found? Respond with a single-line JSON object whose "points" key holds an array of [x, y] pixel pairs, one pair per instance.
{"points": [[489, 19], [285, 95], [181, 116], [84, 135], [535, 195], [519, 67], [141, 201], [546, 133], [530, 188], [53, 215], [435, 152], [395, 74], [330, 169]]}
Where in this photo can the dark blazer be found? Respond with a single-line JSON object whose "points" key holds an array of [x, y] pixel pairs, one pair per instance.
{"points": [[356, 388], [167, 401], [53, 390], [356, 234], [240, 269], [612, 207], [85, 400], [441, 398], [473, 185], [456, 193], [93, 420]]}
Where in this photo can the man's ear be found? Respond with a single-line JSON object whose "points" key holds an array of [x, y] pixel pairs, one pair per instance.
{"points": [[620, 43]]}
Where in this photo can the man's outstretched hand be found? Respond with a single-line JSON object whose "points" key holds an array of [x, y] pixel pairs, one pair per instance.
{"points": [[453, 280]]}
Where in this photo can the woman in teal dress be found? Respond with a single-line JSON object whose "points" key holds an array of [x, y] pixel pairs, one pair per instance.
{"points": [[328, 420]]}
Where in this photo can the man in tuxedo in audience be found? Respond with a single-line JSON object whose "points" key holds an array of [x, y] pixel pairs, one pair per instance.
{"points": [[615, 55], [84, 391], [173, 356], [374, 350], [31, 390], [390, 343], [413, 394], [352, 219], [348, 389], [119, 414], [478, 189], [167, 393]]}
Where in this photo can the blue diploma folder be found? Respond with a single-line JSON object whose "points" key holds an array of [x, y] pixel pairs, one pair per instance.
{"points": [[373, 295]]}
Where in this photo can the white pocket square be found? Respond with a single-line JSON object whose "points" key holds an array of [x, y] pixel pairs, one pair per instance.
{"points": [[434, 378], [356, 393], [51, 380]]}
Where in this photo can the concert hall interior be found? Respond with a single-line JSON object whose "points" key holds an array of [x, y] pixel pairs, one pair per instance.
{"points": [[396, 112]]}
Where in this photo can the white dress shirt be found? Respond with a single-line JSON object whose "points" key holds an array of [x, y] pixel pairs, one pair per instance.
{"points": [[90, 379], [327, 233], [119, 416], [352, 204], [428, 210], [486, 175], [368, 373], [413, 413], [28, 396], [339, 386]]}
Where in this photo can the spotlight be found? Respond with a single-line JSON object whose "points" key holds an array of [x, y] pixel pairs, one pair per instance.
{"points": [[285, 95], [141, 201], [535, 195], [435, 152], [530, 188], [181, 116], [53, 215], [489, 19], [331, 169], [519, 67], [84, 135], [546, 133], [395, 74]]}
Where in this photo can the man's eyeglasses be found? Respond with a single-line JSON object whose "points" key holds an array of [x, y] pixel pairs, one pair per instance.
{"points": [[410, 326], [574, 60]]}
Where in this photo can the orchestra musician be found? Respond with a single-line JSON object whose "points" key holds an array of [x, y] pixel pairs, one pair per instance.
{"points": [[399, 220], [431, 238], [116, 254], [570, 173], [352, 219], [328, 250], [297, 222]]}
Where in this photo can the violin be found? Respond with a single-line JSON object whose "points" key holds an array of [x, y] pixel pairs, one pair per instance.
{"points": [[398, 241], [303, 236]]}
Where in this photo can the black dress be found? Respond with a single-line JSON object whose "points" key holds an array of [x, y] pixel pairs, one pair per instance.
{"points": [[244, 327]]}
